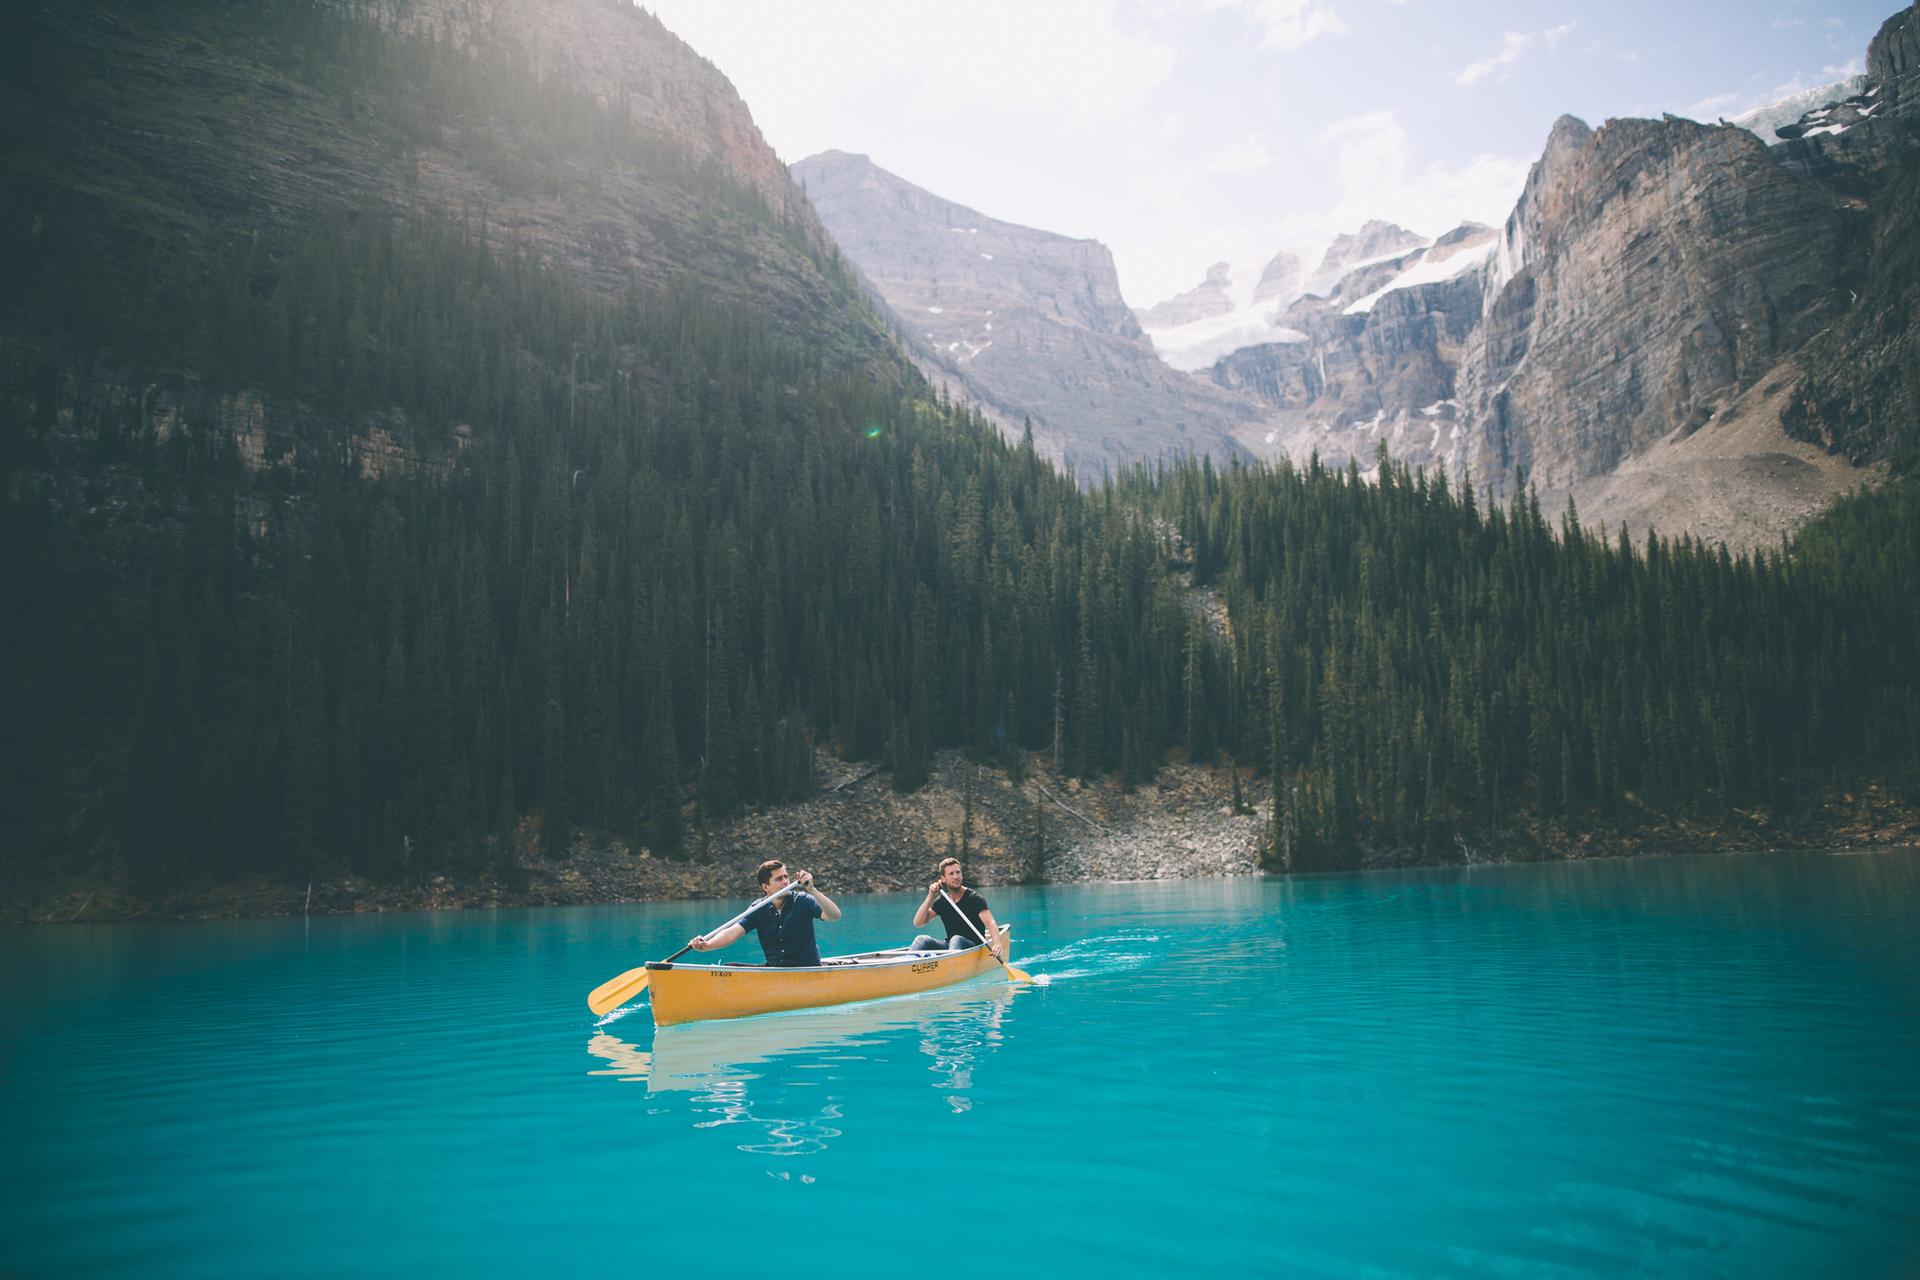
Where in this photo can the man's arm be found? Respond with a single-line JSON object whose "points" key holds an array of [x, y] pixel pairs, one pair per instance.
{"points": [[829, 910], [723, 937], [992, 931], [925, 913]]}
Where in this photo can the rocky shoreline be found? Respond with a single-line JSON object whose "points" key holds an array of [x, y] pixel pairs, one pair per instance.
{"points": [[858, 836]]}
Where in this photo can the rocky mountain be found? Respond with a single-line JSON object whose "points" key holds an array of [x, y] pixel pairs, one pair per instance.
{"points": [[1281, 280], [1224, 315], [1858, 389], [1223, 290], [1026, 323], [1211, 297], [1678, 323], [1374, 361], [183, 133], [1628, 318], [1374, 242], [1787, 113]]}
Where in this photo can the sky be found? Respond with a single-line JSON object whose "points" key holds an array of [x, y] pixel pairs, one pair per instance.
{"points": [[1185, 132]]}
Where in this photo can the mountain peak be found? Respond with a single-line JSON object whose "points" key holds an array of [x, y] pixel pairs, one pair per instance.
{"points": [[1213, 296], [1280, 280], [1569, 133], [1375, 241]]}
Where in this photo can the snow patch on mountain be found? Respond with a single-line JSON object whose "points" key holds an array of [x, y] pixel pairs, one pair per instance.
{"points": [[1374, 243], [1427, 270], [1197, 345], [1765, 121]]}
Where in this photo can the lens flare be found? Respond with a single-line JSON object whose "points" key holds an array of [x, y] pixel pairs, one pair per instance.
{"points": [[873, 433]]}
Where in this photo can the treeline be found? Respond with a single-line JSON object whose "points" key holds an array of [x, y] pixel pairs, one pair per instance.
{"points": [[1413, 665]]}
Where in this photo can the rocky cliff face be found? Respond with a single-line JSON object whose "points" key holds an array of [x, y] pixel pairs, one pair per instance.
{"points": [[1893, 61], [625, 57], [1378, 359], [1024, 322], [187, 128], [1859, 391], [1658, 268]]}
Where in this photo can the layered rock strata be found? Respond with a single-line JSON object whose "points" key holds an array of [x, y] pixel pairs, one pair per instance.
{"points": [[1657, 269]]}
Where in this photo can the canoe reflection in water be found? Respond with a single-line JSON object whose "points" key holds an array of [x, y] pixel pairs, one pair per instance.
{"points": [[718, 1063]]}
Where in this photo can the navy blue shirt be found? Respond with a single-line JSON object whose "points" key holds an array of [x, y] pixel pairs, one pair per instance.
{"points": [[787, 936]]}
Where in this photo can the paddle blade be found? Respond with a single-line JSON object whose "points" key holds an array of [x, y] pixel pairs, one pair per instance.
{"points": [[1018, 975], [609, 996]]}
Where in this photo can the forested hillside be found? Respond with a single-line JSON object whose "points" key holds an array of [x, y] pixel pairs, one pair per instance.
{"points": [[669, 551], [1419, 667]]}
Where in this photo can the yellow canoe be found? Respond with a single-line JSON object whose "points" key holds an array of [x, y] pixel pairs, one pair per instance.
{"points": [[702, 992]]}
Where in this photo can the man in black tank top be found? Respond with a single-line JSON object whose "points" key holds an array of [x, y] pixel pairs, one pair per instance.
{"points": [[962, 910]]}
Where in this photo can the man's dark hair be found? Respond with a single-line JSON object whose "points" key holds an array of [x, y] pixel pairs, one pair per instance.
{"points": [[767, 869], [944, 864]]}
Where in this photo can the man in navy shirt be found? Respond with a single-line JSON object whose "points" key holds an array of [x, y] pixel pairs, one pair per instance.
{"points": [[785, 925], [962, 910]]}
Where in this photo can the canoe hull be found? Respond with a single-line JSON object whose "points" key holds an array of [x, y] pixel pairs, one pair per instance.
{"points": [[700, 993]]}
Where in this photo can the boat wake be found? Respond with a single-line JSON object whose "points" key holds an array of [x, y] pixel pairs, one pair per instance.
{"points": [[1106, 953]]}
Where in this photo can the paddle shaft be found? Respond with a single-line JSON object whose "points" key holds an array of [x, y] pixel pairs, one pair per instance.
{"points": [[1016, 974], [777, 893]]}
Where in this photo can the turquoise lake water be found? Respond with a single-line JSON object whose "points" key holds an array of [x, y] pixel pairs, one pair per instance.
{"points": [[1685, 1067]]}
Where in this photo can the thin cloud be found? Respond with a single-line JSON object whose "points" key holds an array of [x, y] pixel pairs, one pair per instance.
{"points": [[1513, 47], [1289, 24], [1377, 176], [1559, 33], [1281, 24], [1167, 191], [1071, 59], [1711, 108], [1245, 156]]}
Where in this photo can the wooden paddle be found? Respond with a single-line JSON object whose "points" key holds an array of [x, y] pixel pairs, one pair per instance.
{"points": [[1018, 975], [610, 995]]}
